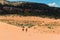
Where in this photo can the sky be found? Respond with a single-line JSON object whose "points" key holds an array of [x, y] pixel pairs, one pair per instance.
{"points": [[54, 3]]}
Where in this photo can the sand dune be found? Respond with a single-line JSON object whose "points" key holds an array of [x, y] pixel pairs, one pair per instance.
{"points": [[10, 32]]}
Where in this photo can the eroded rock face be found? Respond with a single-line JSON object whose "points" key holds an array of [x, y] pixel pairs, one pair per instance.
{"points": [[28, 8]]}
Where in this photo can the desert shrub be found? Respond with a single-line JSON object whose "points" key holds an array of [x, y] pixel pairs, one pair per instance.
{"points": [[50, 27]]}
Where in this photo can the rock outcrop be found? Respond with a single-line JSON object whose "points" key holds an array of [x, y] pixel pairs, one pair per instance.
{"points": [[29, 8]]}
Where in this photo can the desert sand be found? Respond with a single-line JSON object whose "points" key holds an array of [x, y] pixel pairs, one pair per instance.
{"points": [[10, 32]]}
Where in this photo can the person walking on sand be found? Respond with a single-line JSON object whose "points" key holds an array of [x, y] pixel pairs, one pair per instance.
{"points": [[26, 29], [23, 28]]}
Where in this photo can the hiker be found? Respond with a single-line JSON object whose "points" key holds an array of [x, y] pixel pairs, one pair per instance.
{"points": [[23, 28], [26, 29]]}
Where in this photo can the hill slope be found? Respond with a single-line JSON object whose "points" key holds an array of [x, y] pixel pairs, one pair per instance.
{"points": [[30, 9], [9, 32]]}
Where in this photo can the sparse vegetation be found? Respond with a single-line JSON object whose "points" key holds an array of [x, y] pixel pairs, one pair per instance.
{"points": [[21, 21], [50, 27], [12, 22]]}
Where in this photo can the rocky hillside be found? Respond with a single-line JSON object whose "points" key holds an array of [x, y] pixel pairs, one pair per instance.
{"points": [[30, 9]]}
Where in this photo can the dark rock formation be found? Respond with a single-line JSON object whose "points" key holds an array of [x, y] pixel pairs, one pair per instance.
{"points": [[31, 9]]}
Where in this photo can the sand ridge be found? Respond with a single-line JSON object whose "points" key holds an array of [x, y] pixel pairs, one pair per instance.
{"points": [[10, 32]]}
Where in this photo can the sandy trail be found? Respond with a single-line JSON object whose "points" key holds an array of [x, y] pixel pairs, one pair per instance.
{"points": [[10, 32]]}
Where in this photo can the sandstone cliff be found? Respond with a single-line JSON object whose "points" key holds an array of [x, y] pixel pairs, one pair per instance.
{"points": [[29, 8]]}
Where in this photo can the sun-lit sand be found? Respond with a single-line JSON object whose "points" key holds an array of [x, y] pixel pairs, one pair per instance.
{"points": [[42, 25], [40, 31], [10, 32]]}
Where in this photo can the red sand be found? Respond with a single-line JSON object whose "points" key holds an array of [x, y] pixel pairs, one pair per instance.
{"points": [[10, 32]]}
